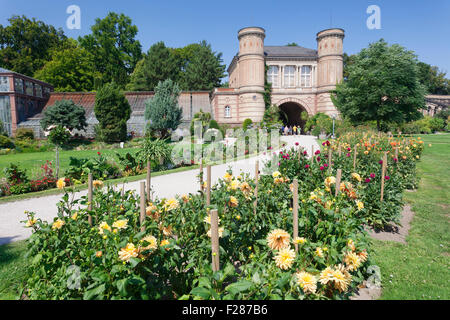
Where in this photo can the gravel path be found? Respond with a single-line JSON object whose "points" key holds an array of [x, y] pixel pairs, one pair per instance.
{"points": [[11, 213]]}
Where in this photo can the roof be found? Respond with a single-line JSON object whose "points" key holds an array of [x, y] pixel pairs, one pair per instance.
{"points": [[289, 51], [3, 70]]}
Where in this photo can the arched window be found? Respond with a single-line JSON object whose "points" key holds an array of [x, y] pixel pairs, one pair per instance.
{"points": [[227, 112]]}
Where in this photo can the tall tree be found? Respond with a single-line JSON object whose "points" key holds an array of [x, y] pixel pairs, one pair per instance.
{"points": [[205, 69], [382, 85], [70, 69], [112, 111], [433, 79], [113, 44], [162, 109], [159, 64], [26, 44]]}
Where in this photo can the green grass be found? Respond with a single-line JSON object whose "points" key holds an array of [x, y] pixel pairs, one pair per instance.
{"points": [[12, 269], [420, 269], [32, 161]]}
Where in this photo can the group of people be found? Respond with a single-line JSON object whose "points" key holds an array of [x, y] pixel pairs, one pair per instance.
{"points": [[290, 130]]}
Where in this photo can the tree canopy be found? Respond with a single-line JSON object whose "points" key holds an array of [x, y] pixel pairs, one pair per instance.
{"points": [[158, 64], [71, 69], [114, 47], [26, 44], [162, 110], [382, 85], [64, 113]]}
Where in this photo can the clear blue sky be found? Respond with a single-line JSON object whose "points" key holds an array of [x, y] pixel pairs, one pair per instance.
{"points": [[419, 25]]}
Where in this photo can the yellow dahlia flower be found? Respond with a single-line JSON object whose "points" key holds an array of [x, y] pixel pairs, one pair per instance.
{"points": [[360, 205], [97, 183], [278, 239], [103, 226], [276, 174], [319, 252], [185, 198], [221, 230], [352, 261], [30, 222], [120, 224], [171, 204], [208, 219], [326, 276], [245, 187], [341, 280], [329, 181], [307, 282], [152, 243], [58, 224], [299, 240], [74, 216], [356, 176], [363, 256], [234, 185], [233, 202], [130, 251], [60, 183], [228, 177], [285, 258]]}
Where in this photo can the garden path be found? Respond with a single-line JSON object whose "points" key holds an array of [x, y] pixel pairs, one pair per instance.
{"points": [[165, 186]]}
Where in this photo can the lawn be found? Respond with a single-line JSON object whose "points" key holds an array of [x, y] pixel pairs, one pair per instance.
{"points": [[420, 269], [33, 161]]}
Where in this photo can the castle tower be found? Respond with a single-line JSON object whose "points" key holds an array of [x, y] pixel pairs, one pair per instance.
{"points": [[330, 67], [251, 73]]}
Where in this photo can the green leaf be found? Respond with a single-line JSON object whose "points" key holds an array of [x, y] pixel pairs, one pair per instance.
{"points": [[134, 262], [201, 292], [240, 286], [97, 291]]}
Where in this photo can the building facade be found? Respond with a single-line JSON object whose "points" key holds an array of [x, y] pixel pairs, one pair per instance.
{"points": [[301, 78], [21, 97]]}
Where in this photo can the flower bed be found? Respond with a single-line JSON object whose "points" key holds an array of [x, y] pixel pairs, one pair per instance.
{"points": [[170, 258]]}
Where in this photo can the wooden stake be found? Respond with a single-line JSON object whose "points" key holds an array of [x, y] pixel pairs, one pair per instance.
{"points": [[383, 174], [215, 240], [396, 153], [355, 151], [340, 151], [208, 185], [90, 197], [312, 154], [201, 175], [256, 186], [142, 207], [149, 178], [330, 155], [338, 181], [295, 212]]}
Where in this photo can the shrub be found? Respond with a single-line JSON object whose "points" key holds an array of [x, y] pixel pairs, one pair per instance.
{"points": [[99, 166], [64, 113], [247, 123], [6, 143], [24, 134], [112, 111], [15, 175]]}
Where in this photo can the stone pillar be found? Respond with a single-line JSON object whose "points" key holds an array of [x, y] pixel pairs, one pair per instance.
{"points": [[330, 66], [251, 73]]}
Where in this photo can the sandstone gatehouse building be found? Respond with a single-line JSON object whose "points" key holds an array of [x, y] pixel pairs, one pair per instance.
{"points": [[301, 80]]}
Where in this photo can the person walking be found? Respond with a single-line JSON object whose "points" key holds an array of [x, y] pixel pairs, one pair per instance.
{"points": [[282, 130], [286, 130], [295, 130]]}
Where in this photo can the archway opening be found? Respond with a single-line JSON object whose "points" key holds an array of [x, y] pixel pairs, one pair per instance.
{"points": [[291, 115]]}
